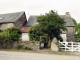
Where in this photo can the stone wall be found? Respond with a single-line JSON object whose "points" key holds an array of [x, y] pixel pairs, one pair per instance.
{"points": [[32, 44], [6, 44], [70, 34], [6, 25]]}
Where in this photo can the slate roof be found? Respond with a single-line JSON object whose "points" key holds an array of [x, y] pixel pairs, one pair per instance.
{"points": [[32, 20], [68, 20], [10, 17]]}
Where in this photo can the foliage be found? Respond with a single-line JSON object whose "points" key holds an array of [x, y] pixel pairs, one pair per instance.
{"points": [[34, 34], [77, 35], [0, 30], [12, 33], [22, 47], [77, 30], [49, 24], [3, 35], [74, 21]]}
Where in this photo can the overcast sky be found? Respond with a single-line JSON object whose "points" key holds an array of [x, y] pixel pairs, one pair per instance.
{"points": [[36, 7]]}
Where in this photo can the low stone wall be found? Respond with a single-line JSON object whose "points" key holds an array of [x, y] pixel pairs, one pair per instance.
{"points": [[6, 44], [32, 44]]}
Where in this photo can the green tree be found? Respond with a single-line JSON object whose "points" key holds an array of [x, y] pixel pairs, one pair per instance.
{"points": [[77, 35], [77, 30], [49, 25], [52, 24]]}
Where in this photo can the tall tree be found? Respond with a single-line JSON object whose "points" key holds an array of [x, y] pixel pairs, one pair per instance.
{"points": [[49, 25]]}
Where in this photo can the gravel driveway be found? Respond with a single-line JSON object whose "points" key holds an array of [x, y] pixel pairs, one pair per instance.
{"points": [[9, 55]]}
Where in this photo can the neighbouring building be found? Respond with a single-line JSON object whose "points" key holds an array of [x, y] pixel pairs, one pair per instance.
{"points": [[66, 35], [8, 20]]}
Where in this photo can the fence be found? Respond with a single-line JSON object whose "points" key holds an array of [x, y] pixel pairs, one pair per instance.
{"points": [[69, 46]]}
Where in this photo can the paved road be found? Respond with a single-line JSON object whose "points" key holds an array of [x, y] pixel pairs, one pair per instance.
{"points": [[8, 55]]}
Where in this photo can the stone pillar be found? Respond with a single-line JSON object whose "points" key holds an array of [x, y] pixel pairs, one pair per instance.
{"points": [[54, 44]]}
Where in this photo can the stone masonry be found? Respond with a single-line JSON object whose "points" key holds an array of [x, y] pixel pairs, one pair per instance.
{"points": [[6, 25], [70, 33]]}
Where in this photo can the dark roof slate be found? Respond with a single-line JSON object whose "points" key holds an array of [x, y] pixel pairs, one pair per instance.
{"points": [[68, 20], [10, 17], [32, 20]]}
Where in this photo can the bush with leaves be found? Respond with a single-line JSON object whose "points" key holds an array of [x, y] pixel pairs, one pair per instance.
{"points": [[12, 33], [34, 34]]}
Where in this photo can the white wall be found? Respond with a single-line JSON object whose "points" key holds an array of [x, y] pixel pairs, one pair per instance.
{"points": [[64, 37], [25, 37]]}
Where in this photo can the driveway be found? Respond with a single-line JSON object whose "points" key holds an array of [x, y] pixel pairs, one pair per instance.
{"points": [[9, 55]]}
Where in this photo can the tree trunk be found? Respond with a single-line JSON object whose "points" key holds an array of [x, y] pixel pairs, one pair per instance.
{"points": [[49, 43]]}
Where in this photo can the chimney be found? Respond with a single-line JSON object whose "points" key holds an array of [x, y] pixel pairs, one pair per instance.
{"points": [[67, 14]]}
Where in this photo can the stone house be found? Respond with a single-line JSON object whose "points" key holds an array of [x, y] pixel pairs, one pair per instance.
{"points": [[66, 35], [8, 20], [69, 34], [19, 20]]}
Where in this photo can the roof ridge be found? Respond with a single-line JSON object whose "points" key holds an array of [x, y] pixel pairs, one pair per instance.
{"points": [[10, 16], [12, 12]]}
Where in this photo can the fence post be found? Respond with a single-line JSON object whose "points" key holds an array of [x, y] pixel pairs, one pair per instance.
{"points": [[65, 46], [79, 47], [72, 46]]}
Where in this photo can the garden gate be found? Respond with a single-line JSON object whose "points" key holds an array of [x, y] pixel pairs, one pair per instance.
{"points": [[69, 46]]}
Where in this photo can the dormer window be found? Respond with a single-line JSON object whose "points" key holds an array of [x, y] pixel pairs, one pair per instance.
{"points": [[1, 18]]}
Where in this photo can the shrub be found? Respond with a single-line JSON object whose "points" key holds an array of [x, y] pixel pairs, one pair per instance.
{"points": [[12, 33], [22, 47], [34, 35]]}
